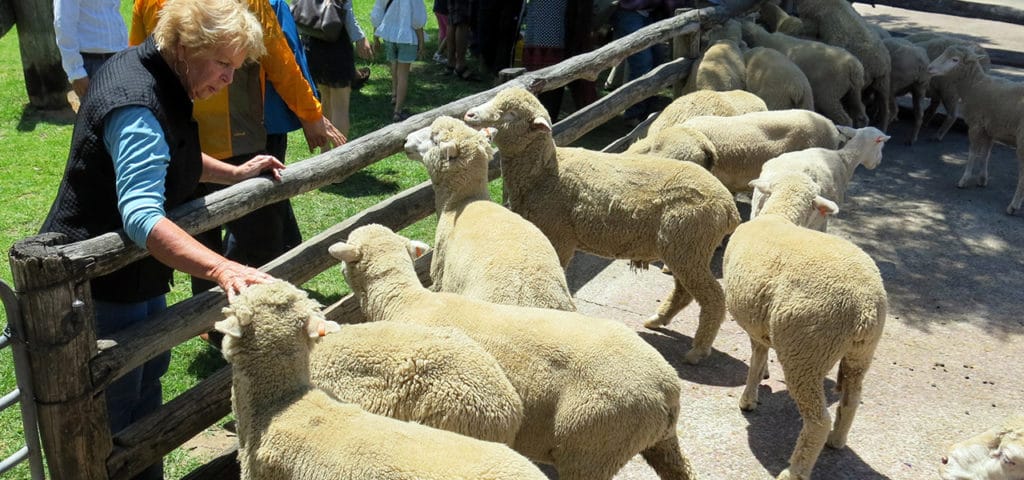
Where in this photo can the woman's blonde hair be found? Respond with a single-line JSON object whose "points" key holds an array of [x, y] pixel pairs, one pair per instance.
{"points": [[206, 25]]}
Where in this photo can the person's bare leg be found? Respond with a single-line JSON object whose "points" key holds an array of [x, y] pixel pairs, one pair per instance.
{"points": [[394, 87], [335, 104], [462, 35], [401, 81]]}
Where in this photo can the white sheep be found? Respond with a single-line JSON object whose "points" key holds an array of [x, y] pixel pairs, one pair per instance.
{"points": [[940, 89], [837, 23], [995, 454], [835, 75], [287, 429], [635, 207], [434, 376], [594, 394], [830, 169], [734, 148], [909, 75], [813, 297], [775, 19], [706, 102], [994, 112], [480, 245], [721, 67], [778, 81]]}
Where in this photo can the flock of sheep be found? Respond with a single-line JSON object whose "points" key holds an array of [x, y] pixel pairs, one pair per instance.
{"points": [[491, 368]]}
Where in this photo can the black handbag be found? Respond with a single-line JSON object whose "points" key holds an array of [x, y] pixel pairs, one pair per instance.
{"points": [[323, 19]]}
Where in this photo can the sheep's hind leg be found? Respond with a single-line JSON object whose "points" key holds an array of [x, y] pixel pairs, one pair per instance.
{"points": [[850, 380], [833, 109], [951, 103], [677, 300], [758, 367], [1018, 196], [667, 460], [980, 148], [805, 387]]}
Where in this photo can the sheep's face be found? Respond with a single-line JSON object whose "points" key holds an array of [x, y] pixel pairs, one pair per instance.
{"points": [[514, 112], [870, 141], [997, 454], [449, 148], [373, 251], [952, 59], [271, 317], [795, 196]]}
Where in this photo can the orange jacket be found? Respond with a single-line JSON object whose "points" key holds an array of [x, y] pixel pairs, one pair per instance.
{"points": [[216, 133]]}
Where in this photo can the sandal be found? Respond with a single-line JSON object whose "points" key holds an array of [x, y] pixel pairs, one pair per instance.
{"points": [[467, 75], [400, 116]]}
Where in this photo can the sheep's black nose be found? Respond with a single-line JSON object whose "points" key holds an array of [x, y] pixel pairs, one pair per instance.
{"points": [[945, 460]]}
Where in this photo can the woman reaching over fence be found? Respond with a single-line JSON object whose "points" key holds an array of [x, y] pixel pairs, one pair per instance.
{"points": [[135, 154]]}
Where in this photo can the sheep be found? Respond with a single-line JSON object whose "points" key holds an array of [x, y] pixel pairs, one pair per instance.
{"points": [[940, 89], [479, 244], [776, 19], [835, 75], [634, 207], [993, 110], [813, 297], [437, 377], [778, 81], [909, 74], [881, 32], [706, 102], [830, 169], [594, 394], [734, 148], [721, 67], [995, 454], [837, 23], [288, 429]]}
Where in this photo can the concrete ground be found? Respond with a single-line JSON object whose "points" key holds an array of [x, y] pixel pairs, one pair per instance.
{"points": [[950, 362]]}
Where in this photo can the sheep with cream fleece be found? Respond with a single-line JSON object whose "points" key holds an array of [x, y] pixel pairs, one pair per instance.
{"points": [[941, 89], [815, 298], [993, 110], [830, 169], [733, 149], [778, 81], [909, 75], [594, 394], [288, 429], [706, 102], [434, 376], [479, 245], [636, 207], [995, 454], [835, 75]]}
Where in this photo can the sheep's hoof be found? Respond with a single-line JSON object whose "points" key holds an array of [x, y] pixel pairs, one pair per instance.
{"points": [[962, 183], [666, 270], [694, 356], [1010, 210], [835, 441], [983, 181], [656, 321], [785, 475], [748, 405]]}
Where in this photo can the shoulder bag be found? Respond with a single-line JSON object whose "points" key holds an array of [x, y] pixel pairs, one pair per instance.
{"points": [[322, 19]]}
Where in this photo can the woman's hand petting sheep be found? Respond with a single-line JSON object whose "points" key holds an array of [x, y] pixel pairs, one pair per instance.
{"points": [[233, 277], [322, 134]]}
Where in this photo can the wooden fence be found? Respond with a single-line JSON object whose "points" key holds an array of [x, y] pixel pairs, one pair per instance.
{"points": [[71, 367]]}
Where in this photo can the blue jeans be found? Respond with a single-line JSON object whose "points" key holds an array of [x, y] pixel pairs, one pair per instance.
{"points": [[138, 393], [625, 22]]}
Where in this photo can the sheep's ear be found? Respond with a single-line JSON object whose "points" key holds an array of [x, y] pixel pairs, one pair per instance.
{"points": [[345, 252], [541, 123], [417, 248], [229, 326], [848, 132], [825, 206], [761, 185], [883, 138], [318, 327], [450, 149]]}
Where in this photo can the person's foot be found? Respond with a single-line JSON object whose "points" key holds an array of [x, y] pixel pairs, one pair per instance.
{"points": [[466, 74], [400, 115], [440, 58]]}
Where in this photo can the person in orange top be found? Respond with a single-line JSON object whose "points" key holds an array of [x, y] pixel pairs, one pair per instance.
{"points": [[219, 137]]}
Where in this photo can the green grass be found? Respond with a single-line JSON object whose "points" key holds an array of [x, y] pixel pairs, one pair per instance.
{"points": [[33, 150]]}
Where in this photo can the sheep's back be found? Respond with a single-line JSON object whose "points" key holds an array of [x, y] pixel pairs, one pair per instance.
{"points": [[996, 105], [706, 102]]}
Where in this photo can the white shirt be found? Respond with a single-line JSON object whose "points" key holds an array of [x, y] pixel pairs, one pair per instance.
{"points": [[399, 23], [91, 26]]}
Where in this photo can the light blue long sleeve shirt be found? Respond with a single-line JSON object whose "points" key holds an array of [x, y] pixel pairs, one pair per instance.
{"points": [[136, 142]]}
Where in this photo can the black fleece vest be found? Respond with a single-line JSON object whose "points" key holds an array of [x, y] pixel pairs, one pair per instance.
{"points": [[86, 203]]}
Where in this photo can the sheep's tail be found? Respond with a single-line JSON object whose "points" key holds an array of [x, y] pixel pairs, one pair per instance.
{"points": [[668, 461]]}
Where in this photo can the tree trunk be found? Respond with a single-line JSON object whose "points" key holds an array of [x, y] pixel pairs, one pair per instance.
{"points": [[959, 8], [45, 80]]}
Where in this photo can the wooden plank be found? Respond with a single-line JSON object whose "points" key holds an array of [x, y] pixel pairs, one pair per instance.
{"points": [[959, 8], [147, 441]]}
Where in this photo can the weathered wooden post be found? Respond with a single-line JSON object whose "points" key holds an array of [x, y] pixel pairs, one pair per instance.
{"points": [[57, 308], [686, 45], [45, 80]]}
